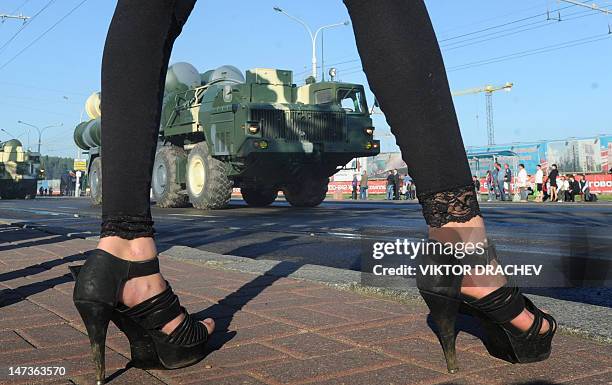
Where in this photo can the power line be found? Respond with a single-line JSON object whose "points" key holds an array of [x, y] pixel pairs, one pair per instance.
{"points": [[43, 34], [484, 30], [25, 25], [483, 39], [516, 55]]}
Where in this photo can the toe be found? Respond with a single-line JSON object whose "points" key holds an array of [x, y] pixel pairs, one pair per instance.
{"points": [[209, 323]]}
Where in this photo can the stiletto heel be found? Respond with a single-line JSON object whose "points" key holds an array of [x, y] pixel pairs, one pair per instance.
{"points": [[444, 312], [96, 318], [442, 293], [96, 291]]}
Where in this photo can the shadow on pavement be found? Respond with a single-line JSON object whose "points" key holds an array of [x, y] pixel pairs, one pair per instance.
{"points": [[226, 308], [18, 294]]}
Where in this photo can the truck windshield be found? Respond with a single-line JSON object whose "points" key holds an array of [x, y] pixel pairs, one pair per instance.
{"points": [[351, 100]]}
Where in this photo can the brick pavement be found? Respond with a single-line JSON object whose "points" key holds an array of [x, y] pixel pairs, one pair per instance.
{"points": [[269, 331]]}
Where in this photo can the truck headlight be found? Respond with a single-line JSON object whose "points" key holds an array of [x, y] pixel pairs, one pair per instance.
{"points": [[261, 144], [370, 145], [253, 129], [369, 131]]}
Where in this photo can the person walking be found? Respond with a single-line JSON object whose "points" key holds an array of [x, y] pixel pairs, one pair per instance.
{"points": [[354, 185], [522, 182], [390, 185], [539, 183], [121, 278], [363, 186]]}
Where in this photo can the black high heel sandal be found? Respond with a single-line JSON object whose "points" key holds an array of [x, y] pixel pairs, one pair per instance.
{"points": [[96, 296], [442, 294]]}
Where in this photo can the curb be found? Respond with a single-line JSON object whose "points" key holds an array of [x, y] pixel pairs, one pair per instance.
{"points": [[583, 320]]}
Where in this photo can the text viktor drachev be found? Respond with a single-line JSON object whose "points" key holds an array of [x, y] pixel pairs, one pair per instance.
{"points": [[408, 249]]}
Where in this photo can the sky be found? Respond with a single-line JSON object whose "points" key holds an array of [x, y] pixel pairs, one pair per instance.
{"points": [[48, 69]]}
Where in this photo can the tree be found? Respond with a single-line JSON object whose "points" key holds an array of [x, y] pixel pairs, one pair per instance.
{"points": [[55, 166]]}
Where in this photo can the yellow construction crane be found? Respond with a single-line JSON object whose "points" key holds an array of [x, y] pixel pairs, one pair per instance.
{"points": [[488, 90]]}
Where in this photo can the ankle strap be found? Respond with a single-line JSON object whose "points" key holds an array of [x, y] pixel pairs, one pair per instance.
{"points": [[134, 268], [144, 268]]}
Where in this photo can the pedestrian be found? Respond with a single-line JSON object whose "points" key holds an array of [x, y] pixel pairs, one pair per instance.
{"points": [[390, 185], [407, 182], [50, 191], [41, 191], [552, 178], [539, 181], [585, 189], [389, 34], [363, 186], [522, 182], [397, 184], [574, 188], [562, 187], [354, 184], [46, 191], [476, 182], [508, 181], [501, 176], [490, 184]]}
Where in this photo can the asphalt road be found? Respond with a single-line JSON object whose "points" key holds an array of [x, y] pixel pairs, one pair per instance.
{"points": [[335, 233]]}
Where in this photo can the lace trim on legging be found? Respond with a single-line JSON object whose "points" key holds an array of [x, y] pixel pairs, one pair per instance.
{"points": [[127, 227], [456, 205]]}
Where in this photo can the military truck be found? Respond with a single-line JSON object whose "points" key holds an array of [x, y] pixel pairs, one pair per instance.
{"points": [[19, 171], [259, 132]]}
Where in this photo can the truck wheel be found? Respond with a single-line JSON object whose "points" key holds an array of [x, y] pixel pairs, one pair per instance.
{"points": [[166, 189], [207, 183], [95, 181], [308, 193], [258, 197]]}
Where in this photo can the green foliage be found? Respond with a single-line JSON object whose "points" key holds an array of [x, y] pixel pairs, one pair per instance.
{"points": [[55, 166]]}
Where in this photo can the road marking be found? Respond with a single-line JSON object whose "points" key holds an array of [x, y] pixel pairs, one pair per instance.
{"points": [[192, 215], [67, 207]]}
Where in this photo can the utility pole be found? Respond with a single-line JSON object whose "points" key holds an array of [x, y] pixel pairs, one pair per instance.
{"points": [[40, 130], [488, 90], [313, 36]]}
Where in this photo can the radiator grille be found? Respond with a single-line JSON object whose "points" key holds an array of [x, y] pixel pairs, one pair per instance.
{"points": [[312, 126]]}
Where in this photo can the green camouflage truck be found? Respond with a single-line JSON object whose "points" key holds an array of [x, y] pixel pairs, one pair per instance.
{"points": [[259, 132], [19, 171]]}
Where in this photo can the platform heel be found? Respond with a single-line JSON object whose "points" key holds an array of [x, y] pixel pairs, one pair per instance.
{"points": [[442, 294], [96, 292]]}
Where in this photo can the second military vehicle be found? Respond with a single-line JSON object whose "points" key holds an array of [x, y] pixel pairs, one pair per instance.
{"points": [[19, 171], [258, 132]]}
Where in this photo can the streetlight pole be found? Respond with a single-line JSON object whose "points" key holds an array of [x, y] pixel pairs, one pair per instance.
{"points": [[40, 130], [313, 36]]}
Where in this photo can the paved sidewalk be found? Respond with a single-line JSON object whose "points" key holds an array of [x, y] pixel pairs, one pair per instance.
{"points": [[270, 330]]}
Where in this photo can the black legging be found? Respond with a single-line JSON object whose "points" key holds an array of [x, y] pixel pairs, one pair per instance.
{"points": [[401, 59]]}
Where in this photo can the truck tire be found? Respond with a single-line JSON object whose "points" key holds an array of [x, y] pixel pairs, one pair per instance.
{"points": [[208, 185], [258, 197], [95, 181], [310, 192], [166, 189]]}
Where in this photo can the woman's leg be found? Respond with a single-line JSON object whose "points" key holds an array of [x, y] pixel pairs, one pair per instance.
{"points": [[134, 66], [403, 63]]}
